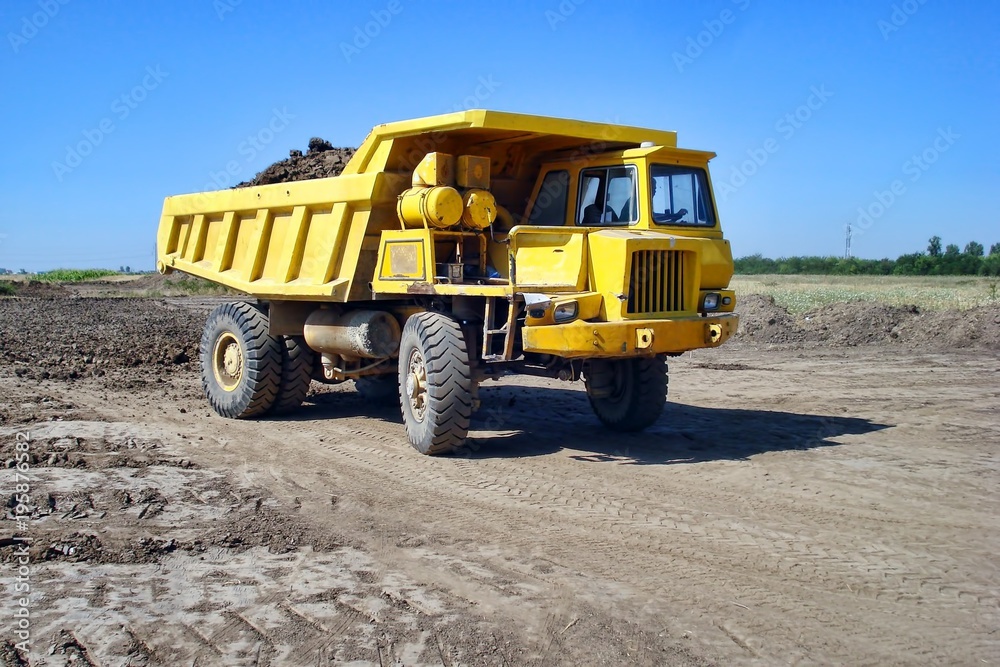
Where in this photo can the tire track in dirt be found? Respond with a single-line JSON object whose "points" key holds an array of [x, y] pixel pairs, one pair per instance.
{"points": [[759, 572], [379, 452], [626, 512], [638, 543], [308, 459]]}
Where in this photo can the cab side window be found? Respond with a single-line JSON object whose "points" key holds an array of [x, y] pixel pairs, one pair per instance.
{"points": [[608, 196], [549, 208]]}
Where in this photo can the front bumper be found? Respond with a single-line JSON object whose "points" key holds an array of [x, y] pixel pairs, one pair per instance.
{"points": [[630, 338]]}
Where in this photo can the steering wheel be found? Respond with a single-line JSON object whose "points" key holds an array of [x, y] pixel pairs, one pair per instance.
{"points": [[673, 217]]}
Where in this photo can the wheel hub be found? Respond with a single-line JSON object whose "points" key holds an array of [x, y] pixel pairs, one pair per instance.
{"points": [[416, 385], [233, 360], [228, 361]]}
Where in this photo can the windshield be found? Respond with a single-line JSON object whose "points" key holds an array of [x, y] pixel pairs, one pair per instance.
{"points": [[680, 196], [607, 197]]}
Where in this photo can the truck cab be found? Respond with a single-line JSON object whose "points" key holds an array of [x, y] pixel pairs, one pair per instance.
{"points": [[622, 237]]}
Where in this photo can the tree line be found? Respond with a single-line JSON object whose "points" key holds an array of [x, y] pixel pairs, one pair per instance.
{"points": [[948, 260]]}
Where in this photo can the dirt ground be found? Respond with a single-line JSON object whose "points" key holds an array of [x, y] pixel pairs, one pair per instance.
{"points": [[822, 490]]}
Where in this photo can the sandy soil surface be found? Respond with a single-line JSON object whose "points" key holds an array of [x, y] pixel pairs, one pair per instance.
{"points": [[810, 501]]}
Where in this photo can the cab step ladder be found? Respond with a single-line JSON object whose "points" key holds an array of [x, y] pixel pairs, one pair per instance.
{"points": [[508, 330]]}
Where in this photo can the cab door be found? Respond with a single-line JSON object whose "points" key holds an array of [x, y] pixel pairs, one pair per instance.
{"points": [[550, 201]]}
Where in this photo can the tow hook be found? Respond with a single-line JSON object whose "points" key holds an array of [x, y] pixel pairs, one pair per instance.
{"points": [[643, 339]]}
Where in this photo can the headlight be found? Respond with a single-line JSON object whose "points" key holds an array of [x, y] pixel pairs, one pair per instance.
{"points": [[566, 311], [711, 301], [537, 312]]}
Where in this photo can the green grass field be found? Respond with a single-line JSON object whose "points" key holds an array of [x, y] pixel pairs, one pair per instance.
{"points": [[800, 294], [74, 275]]}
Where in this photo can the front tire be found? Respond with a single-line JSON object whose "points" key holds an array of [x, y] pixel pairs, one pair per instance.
{"points": [[240, 361], [435, 383], [627, 394]]}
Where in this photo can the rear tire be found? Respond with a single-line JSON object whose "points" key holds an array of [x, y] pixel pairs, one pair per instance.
{"points": [[435, 383], [627, 394], [296, 374], [240, 361]]}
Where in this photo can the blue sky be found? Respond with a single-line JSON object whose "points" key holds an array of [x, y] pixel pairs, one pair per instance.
{"points": [[883, 114]]}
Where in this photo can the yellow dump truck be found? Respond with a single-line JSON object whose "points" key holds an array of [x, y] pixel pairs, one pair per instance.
{"points": [[460, 248]]}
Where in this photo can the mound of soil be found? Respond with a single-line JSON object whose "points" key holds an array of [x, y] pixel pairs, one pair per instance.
{"points": [[321, 160], [39, 290], [72, 338], [857, 323], [976, 328], [156, 281], [763, 321]]}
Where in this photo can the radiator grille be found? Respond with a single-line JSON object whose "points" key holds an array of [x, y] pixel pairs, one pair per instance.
{"points": [[656, 283]]}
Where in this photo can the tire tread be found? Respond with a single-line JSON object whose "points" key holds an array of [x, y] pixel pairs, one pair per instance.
{"points": [[262, 361], [648, 394], [449, 376], [296, 375]]}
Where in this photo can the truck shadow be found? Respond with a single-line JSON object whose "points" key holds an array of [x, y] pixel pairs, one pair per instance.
{"points": [[517, 422], [556, 420]]}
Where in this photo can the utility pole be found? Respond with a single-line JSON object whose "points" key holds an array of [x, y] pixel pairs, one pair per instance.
{"points": [[847, 251]]}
